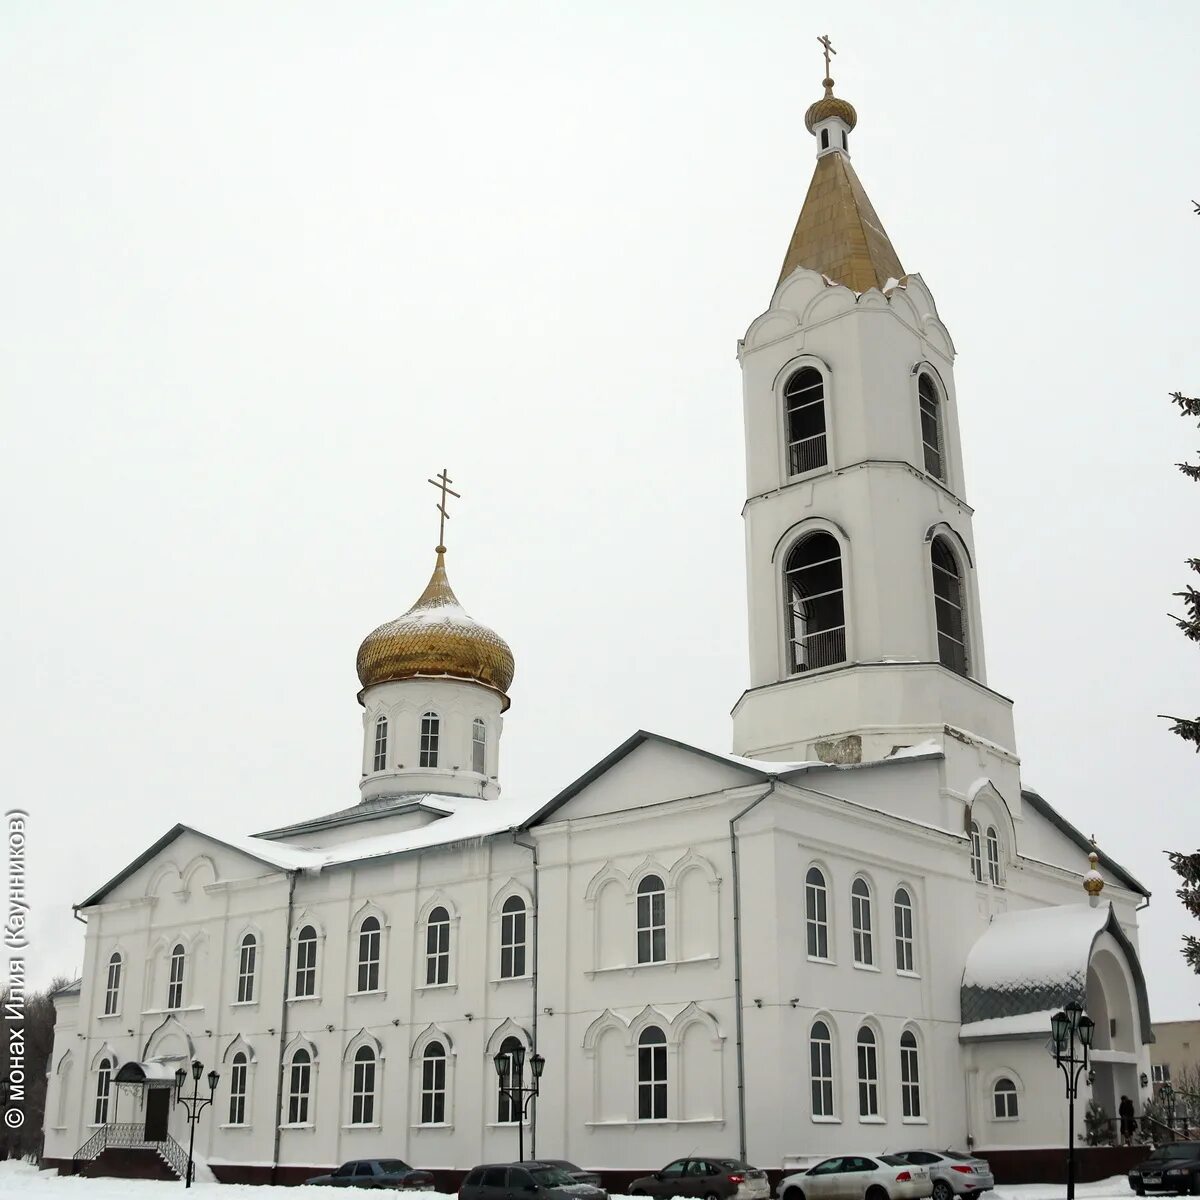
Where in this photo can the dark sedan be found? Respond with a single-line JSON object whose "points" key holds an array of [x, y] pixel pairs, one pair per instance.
{"points": [[711, 1178], [576, 1173], [1174, 1167], [376, 1173]]}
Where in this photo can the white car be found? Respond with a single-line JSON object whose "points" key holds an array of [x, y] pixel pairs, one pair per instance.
{"points": [[953, 1172], [858, 1177]]}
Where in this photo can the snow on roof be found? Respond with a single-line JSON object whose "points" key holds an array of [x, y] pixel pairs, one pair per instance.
{"points": [[1021, 1025], [1031, 960], [929, 746], [468, 819]]}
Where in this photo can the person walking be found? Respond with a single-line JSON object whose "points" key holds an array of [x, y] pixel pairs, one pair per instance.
{"points": [[1128, 1120]]}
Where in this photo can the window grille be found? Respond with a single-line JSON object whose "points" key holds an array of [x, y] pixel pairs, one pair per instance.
{"points": [[815, 603], [948, 607], [931, 427], [804, 401]]}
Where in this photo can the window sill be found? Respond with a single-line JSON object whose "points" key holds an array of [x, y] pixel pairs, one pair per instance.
{"points": [[825, 962], [825, 1120], [875, 1120], [299, 1125], [242, 1125], [172, 1012], [243, 1004], [433, 1125], [673, 963], [303, 999], [109, 1017], [380, 992], [866, 967], [914, 1120], [1004, 1120], [511, 979], [436, 987], [351, 1128], [909, 974]]}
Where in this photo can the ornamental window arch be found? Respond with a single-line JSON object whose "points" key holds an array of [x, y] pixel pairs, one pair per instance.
{"points": [[813, 561], [436, 943], [301, 1067], [367, 959], [803, 398], [693, 887], [823, 1075], [433, 1059], [247, 950], [870, 1054], [654, 927], [991, 834]]}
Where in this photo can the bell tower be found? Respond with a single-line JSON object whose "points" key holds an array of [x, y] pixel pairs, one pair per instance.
{"points": [[864, 621]]}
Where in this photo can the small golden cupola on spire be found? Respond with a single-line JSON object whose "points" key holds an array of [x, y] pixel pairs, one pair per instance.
{"points": [[436, 638], [839, 233]]}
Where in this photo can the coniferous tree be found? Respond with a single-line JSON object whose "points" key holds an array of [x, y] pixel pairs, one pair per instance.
{"points": [[1187, 866]]}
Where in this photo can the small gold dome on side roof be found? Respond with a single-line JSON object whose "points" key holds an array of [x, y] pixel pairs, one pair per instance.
{"points": [[1093, 881], [830, 106], [436, 638]]}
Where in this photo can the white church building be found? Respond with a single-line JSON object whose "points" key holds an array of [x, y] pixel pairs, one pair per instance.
{"points": [[847, 934]]}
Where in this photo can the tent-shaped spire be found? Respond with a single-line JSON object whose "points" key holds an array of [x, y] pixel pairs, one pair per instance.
{"points": [[839, 233]]}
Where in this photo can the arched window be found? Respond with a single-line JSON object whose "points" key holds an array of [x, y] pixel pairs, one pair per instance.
{"points": [[976, 853], [381, 739], [433, 1085], [237, 1090], [651, 920], [931, 426], [479, 746], [431, 726], [368, 955], [103, 1089], [306, 962], [816, 913], [112, 986], [993, 854], [1004, 1100], [299, 1087], [652, 1074], [903, 914], [868, 1074], [247, 962], [437, 947], [507, 1109], [512, 938], [820, 1057], [815, 603], [362, 1090], [824, 139], [910, 1075], [804, 398], [860, 923], [175, 978], [948, 607]]}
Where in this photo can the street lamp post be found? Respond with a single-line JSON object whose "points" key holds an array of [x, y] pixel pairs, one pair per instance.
{"points": [[194, 1105], [1068, 1027], [510, 1067]]}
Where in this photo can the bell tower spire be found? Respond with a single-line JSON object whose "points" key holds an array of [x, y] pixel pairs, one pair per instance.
{"points": [[864, 622], [838, 232]]}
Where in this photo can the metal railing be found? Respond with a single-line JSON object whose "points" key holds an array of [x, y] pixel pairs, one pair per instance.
{"points": [[820, 649], [807, 454], [132, 1136]]}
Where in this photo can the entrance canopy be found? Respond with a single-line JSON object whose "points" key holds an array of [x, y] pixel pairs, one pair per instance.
{"points": [[1029, 964], [155, 1073]]}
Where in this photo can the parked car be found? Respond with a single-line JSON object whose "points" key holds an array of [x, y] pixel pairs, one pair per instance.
{"points": [[708, 1178], [858, 1177], [576, 1173], [533, 1180], [376, 1173], [1173, 1167], [953, 1172]]}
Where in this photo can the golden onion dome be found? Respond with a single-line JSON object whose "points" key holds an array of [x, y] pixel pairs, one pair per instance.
{"points": [[436, 638], [830, 106], [1093, 881]]}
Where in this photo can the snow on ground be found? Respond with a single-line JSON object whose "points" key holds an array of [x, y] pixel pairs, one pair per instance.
{"points": [[26, 1181]]}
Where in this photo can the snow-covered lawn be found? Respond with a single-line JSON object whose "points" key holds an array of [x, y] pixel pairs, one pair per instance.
{"points": [[21, 1179]]}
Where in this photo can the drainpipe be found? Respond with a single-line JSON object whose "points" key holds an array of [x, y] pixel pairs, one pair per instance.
{"points": [[740, 1041], [283, 1019], [532, 848]]}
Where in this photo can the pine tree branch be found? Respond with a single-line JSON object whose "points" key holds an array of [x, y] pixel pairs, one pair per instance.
{"points": [[1189, 406], [1185, 727]]}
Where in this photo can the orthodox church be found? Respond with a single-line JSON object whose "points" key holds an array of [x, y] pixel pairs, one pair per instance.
{"points": [[847, 934]]}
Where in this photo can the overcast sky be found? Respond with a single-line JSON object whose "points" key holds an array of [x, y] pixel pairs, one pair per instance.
{"points": [[267, 266]]}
